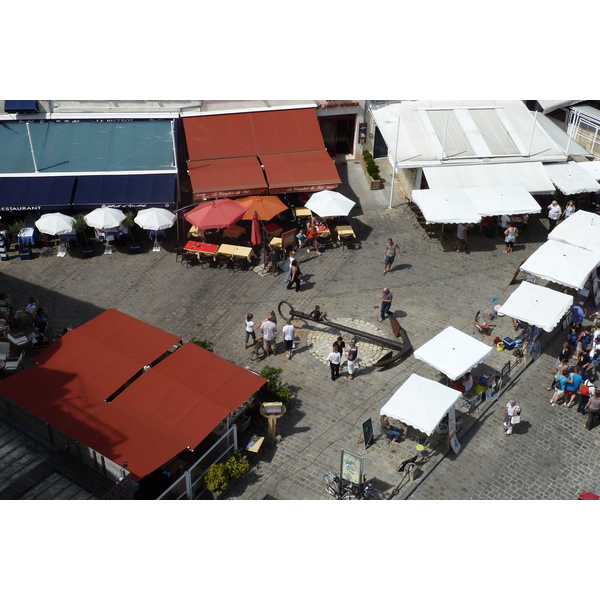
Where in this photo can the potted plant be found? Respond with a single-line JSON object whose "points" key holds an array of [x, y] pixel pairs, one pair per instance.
{"points": [[217, 477], [371, 169], [13, 231], [274, 386], [134, 246], [80, 226]]}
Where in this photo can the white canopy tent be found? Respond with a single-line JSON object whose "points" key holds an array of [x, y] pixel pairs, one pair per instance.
{"points": [[446, 206], [591, 167], [530, 175], [562, 263], [453, 352], [537, 305], [570, 178], [503, 200], [420, 403], [580, 229]]}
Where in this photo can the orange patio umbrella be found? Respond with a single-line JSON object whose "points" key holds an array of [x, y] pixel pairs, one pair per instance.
{"points": [[267, 207]]}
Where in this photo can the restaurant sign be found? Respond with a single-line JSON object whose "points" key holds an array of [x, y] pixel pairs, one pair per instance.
{"points": [[20, 208], [228, 193], [352, 467], [304, 188]]}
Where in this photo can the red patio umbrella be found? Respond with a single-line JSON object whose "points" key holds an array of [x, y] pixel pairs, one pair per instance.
{"points": [[214, 214], [255, 234]]}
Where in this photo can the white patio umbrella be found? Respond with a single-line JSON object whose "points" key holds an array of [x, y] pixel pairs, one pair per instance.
{"points": [[580, 229], [330, 204], [105, 218], [453, 352], [420, 403], [155, 219], [562, 263], [55, 224]]}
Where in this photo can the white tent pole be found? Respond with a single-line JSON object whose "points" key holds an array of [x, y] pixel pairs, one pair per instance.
{"points": [[31, 146], [394, 165], [444, 138], [532, 132], [569, 135]]}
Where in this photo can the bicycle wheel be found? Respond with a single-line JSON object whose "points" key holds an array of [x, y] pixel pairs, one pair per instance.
{"points": [[373, 494]]}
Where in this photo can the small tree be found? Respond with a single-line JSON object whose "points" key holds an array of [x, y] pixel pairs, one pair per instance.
{"points": [[129, 223], [217, 478], [80, 225], [275, 386]]}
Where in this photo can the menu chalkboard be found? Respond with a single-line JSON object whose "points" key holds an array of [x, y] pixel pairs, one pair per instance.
{"points": [[368, 432]]}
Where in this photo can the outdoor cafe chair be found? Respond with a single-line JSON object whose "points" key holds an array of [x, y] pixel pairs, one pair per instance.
{"points": [[19, 340], [14, 364]]}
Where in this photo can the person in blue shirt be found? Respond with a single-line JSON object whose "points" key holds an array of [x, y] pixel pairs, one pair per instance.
{"points": [[572, 387], [578, 313]]}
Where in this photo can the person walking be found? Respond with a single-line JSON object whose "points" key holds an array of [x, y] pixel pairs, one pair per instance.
{"points": [[352, 355], [288, 338], [593, 410], [510, 237], [554, 213], [386, 302], [461, 236], [289, 272], [269, 331], [389, 253], [511, 410], [586, 390], [250, 327], [562, 378], [312, 239], [572, 387], [296, 276], [569, 209], [334, 359]]}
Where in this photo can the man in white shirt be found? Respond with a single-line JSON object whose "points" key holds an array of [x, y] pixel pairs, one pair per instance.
{"points": [[269, 331], [288, 338], [289, 273], [334, 359], [554, 212]]}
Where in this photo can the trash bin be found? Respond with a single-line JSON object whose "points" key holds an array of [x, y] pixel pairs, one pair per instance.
{"points": [[26, 252]]}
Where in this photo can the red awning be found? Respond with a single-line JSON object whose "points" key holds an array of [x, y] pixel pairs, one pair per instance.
{"points": [[168, 408], [227, 177], [252, 133], [300, 172]]}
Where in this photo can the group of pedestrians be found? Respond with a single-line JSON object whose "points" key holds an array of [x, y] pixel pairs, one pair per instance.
{"points": [[335, 358], [268, 329], [575, 384]]}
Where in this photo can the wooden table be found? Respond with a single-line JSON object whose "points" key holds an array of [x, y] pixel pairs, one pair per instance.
{"points": [[276, 242], [302, 212], [233, 231], [236, 251], [273, 230], [195, 232], [323, 233], [345, 230], [201, 248]]}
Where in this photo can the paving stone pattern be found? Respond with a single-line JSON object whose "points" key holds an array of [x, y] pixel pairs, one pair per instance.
{"points": [[549, 456]]}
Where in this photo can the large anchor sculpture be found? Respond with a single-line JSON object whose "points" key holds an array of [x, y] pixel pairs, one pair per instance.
{"points": [[390, 358]]}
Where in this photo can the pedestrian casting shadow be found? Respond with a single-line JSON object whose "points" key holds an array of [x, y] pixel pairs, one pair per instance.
{"points": [[522, 428], [401, 267]]}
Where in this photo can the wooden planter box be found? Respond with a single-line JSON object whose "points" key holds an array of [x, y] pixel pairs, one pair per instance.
{"points": [[376, 184]]}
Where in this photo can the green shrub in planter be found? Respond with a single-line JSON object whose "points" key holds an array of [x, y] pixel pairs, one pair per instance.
{"points": [[203, 344], [367, 155], [217, 478], [237, 465], [275, 387]]}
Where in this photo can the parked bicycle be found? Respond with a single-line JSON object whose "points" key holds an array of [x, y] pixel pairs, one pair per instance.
{"points": [[342, 489]]}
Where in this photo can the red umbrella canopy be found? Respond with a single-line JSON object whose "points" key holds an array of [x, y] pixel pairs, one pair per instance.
{"points": [[255, 234], [214, 214], [267, 207]]}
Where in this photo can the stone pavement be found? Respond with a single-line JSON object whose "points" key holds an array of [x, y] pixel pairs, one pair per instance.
{"points": [[433, 287]]}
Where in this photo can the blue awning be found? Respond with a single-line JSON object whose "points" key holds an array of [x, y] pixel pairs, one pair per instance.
{"points": [[20, 106], [126, 191], [35, 193]]}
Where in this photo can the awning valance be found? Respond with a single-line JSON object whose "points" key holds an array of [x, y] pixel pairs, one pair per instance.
{"points": [[300, 172], [226, 177], [127, 191], [35, 193], [570, 178], [531, 176]]}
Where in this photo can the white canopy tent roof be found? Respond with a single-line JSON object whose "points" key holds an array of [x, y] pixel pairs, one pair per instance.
{"points": [[428, 132], [570, 178], [580, 229], [537, 305], [420, 403], [446, 206], [503, 200], [562, 263], [531, 176], [453, 352], [591, 167]]}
